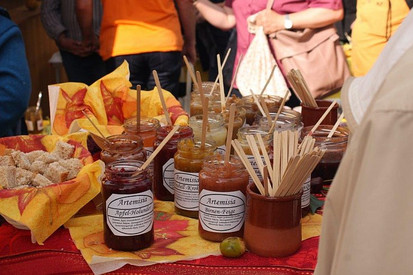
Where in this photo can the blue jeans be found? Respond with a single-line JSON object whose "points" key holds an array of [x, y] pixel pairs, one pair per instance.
{"points": [[83, 69], [167, 65]]}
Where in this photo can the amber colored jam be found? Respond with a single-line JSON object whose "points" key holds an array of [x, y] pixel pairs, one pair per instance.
{"points": [[122, 147], [273, 102], [147, 129], [128, 211], [163, 163], [188, 162], [222, 198]]}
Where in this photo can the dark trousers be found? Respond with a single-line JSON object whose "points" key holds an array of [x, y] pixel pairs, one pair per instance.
{"points": [[83, 69], [167, 65]]}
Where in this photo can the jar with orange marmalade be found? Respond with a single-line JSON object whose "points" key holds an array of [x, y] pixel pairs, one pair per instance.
{"points": [[188, 162], [222, 198], [163, 163], [128, 212], [122, 147]]}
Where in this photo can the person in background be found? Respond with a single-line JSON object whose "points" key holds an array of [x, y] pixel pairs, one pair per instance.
{"points": [[367, 217], [147, 34], [285, 14], [344, 26], [15, 83], [376, 22], [82, 63]]}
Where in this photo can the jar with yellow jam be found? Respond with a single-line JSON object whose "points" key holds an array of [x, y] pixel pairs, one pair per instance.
{"points": [[242, 138], [222, 198], [122, 147], [163, 163], [188, 162], [216, 129]]}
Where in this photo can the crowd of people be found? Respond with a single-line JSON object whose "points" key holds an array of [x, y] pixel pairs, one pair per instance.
{"points": [[366, 221]]}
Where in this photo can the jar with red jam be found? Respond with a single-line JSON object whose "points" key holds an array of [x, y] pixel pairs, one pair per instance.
{"points": [[163, 163], [128, 213], [122, 147], [222, 198], [188, 162]]}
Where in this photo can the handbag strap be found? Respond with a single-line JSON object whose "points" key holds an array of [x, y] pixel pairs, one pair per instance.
{"points": [[269, 4]]}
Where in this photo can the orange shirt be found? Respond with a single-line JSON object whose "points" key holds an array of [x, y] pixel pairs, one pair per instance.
{"points": [[139, 26]]}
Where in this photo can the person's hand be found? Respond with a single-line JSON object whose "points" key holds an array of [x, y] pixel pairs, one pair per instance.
{"points": [[189, 51], [270, 20], [72, 46]]}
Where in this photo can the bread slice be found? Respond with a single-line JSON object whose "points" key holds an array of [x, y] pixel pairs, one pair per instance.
{"points": [[33, 155], [47, 158], [41, 181], [6, 161], [38, 167], [21, 160], [73, 165], [64, 150], [56, 173], [23, 176], [8, 176]]}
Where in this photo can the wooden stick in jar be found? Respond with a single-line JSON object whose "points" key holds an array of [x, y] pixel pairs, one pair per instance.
{"points": [[138, 108], [200, 89], [94, 125], [322, 118], [234, 78], [159, 148], [268, 79], [274, 122], [221, 83], [266, 182], [257, 102], [266, 111], [191, 71], [159, 88], [229, 132], [204, 122], [332, 131], [223, 65], [266, 160]]}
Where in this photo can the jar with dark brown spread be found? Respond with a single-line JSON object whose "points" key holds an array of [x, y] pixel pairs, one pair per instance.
{"points": [[122, 147], [128, 212], [163, 163], [188, 162], [222, 198]]}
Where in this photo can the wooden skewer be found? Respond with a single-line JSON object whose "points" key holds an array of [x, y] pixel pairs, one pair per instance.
{"points": [[191, 71], [330, 135], [204, 122], [274, 122], [240, 152], [200, 89], [159, 148], [159, 88], [265, 108], [221, 83], [234, 78], [257, 102], [266, 160], [223, 65], [94, 125], [268, 80], [229, 132], [138, 108], [303, 83], [255, 152], [266, 183], [322, 118]]}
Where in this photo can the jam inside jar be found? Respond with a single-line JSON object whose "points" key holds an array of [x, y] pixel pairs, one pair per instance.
{"points": [[128, 212], [122, 147]]}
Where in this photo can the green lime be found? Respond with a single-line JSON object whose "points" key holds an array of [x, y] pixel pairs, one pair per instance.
{"points": [[232, 247]]}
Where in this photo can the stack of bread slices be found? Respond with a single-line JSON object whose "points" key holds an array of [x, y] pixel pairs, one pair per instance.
{"points": [[38, 168]]}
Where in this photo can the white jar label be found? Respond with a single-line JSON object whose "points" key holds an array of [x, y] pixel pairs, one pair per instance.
{"points": [[130, 214], [30, 126], [39, 125], [221, 212], [186, 190], [221, 150], [305, 198], [168, 175]]}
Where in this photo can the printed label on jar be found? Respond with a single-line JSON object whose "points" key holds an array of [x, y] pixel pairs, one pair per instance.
{"points": [[148, 151], [130, 214], [29, 125], [221, 150], [305, 198], [186, 190], [168, 175], [255, 166], [39, 125], [221, 212]]}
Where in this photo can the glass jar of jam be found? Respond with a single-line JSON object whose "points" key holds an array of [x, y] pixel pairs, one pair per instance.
{"points": [[287, 120], [216, 129], [222, 198], [128, 212], [163, 163], [188, 162], [147, 131], [242, 138], [34, 120], [214, 103], [335, 148], [122, 147], [273, 102]]}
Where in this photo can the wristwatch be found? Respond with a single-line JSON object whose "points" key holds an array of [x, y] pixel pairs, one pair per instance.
{"points": [[288, 24]]}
